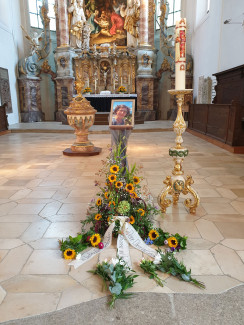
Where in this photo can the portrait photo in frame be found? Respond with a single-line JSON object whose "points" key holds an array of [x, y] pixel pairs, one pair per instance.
{"points": [[122, 114]]}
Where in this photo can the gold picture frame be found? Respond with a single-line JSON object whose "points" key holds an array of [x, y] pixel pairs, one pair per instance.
{"points": [[122, 114]]}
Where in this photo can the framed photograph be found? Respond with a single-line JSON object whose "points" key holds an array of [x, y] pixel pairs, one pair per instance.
{"points": [[122, 114]]}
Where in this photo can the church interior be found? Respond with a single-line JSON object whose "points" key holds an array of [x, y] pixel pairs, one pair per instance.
{"points": [[64, 66]]}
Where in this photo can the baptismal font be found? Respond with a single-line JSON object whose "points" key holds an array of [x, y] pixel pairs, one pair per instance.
{"points": [[81, 116]]}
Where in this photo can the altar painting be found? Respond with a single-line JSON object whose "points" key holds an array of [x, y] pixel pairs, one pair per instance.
{"points": [[106, 19]]}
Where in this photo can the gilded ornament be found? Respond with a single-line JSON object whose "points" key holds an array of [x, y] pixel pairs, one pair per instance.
{"points": [[177, 184]]}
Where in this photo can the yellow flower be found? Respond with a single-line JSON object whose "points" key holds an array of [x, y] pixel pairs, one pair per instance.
{"points": [[111, 202], [108, 219], [172, 242], [69, 254], [112, 178], [133, 195], [153, 234], [141, 211], [118, 184], [95, 239], [99, 202], [132, 220], [114, 169], [136, 180], [98, 216], [106, 194], [129, 188]]}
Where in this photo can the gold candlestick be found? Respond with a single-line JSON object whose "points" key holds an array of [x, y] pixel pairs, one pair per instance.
{"points": [[177, 184]]}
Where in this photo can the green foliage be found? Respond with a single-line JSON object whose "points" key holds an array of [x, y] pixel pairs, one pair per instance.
{"points": [[150, 268], [165, 235], [169, 264], [117, 277], [78, 243]]}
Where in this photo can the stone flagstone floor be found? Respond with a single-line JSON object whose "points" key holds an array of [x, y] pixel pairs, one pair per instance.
{"points": [[44, 195]]}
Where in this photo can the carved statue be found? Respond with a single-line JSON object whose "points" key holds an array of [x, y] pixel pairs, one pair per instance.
{"points": [[76, 22], [86, 36], [79, 84], [40, 47], [132, 17]]}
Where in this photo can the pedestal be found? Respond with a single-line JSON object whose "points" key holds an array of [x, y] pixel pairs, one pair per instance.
{"points": [[177, 184], [30, 99]]}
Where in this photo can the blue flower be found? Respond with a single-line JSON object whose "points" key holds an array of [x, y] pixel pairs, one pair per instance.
{"points": [[148, 241]]}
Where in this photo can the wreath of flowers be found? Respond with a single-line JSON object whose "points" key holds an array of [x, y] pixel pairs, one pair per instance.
{"points": [[122, 194]]}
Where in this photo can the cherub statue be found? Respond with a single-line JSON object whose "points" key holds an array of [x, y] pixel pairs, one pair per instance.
{"points": [[34, 40]]}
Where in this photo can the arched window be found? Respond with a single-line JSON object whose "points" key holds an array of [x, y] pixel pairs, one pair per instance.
{"points": [[174, 12], [34, 12]]}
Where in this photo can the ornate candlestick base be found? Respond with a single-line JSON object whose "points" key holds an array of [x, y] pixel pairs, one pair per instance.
{"points": [[177, 184]]}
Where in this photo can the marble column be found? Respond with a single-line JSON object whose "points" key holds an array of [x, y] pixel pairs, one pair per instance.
{"points": [[144, 22], [57, 23], [63, 22]]}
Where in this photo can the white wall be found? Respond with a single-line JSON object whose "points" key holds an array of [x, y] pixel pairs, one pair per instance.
{"points": [[215, 46], [11, 44]]}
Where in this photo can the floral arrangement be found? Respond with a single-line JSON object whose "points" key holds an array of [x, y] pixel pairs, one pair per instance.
{"points": [[87, 90], [167, 263], [118, 276], [122, 89], [122, 194]]}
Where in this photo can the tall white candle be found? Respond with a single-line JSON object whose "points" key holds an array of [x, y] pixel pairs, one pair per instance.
{"points": [[180, 54]]}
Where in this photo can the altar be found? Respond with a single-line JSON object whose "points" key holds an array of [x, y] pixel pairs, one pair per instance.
{"points": [[102, 103]]}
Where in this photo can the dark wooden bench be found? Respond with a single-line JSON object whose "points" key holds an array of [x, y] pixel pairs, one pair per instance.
{"points": [[221, 122]]}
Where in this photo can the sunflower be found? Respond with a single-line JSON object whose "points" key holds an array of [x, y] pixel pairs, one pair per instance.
{"points": [[95, 239], [112, 178], [132, 220], [69, 254], [106, 195], [98, 216], [99, 202], [141, 211], [172, 242], [153, 234], [118, 184], [129, 188], [114, 169], [111, 202], [136, 180], [134, 195]]}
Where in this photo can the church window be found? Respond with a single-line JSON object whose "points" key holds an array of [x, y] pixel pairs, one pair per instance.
{"points": [[34, 12], [174, 12], [173, 15]]}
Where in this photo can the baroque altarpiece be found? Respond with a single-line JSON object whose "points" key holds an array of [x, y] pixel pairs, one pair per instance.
{"points": [[104, 43]]}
